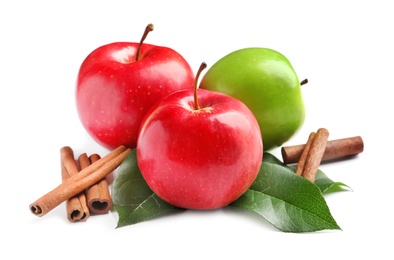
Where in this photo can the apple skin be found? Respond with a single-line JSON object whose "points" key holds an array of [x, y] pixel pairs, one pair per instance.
{"points": [[114, 91], [266, 82], [199, 159]]}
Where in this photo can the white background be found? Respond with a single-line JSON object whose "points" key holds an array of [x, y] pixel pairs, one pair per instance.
{"points": [[344, 48]]}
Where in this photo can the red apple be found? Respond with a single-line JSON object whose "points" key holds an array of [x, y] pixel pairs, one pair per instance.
{"points": [[199, 149], [118, 82]]}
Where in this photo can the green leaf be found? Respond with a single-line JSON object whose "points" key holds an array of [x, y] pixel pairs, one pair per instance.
{"points": [[325, 184], [132, 198], [267, 157], [286, 200]]}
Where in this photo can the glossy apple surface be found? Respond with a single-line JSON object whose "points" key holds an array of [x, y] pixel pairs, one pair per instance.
{"points": [[114, 90], [201, 158], [266, 82]]}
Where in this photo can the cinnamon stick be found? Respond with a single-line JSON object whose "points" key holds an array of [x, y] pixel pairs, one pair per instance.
{"points": [[79, 182], [334, 149], [76, 207], [301, 163], [98, 196], [315, 154]]}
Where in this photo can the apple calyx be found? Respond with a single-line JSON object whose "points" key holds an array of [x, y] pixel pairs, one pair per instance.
{"points": [[148, 29], [202, 67]]}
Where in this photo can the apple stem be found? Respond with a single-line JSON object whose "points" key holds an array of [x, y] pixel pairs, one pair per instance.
{"points": [[202, 67], [148, 29], [304, 82]]}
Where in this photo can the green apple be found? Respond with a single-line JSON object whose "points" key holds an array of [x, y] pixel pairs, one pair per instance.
{"points": [[266, 82]]}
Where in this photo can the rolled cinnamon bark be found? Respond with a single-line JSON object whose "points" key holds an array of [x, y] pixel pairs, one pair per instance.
{"points": [[315, 154], [76, 206], [334, 149], [79, 182], [98, 196], [301, 162]]}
